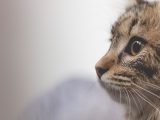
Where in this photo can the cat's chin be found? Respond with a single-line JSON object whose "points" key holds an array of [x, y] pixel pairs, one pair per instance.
{"points": [[117, 93]]}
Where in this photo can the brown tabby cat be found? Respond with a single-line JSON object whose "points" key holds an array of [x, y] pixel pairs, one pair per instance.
{"points": [[130, 71]]}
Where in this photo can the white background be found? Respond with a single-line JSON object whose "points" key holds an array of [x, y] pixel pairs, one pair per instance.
{"points": [[44, 41]]}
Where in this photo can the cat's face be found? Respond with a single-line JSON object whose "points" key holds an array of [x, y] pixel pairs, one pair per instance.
{"points": [[132, 64]]}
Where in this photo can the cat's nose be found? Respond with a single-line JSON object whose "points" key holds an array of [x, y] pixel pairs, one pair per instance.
{"points": [[100, 71], [105, 64]]}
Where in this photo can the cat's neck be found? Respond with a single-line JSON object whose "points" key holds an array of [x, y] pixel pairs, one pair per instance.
{"points": [[145, 113]]}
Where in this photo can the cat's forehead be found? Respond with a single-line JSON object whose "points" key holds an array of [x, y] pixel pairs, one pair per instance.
{"points": [[140, 19]]}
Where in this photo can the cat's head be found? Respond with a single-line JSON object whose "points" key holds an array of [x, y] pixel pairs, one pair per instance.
{"points": [[132, 64]]}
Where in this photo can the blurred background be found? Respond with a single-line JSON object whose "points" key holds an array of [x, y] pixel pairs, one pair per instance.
{"points": [[42, 42]]}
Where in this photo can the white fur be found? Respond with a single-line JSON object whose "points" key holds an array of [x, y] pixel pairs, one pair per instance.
{"points": [[76, 99]]}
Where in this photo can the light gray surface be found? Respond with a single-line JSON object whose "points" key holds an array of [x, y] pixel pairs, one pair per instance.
{"points": [[75, 99], [45, 40]]}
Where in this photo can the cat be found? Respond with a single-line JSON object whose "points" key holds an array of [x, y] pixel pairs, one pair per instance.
{"points": [[130, 71]]}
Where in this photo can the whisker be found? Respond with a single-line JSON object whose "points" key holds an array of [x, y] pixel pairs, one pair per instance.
{"points": [[120, 96], [129, 103], [146, 90], [134, 101], [138, 101], [145, 99], [152, 85]]}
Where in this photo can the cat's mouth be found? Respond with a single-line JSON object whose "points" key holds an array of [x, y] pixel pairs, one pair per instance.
{"points": [[116, 88], [115, 82]]}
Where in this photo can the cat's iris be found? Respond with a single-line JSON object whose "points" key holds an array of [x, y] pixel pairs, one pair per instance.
{"points": [[135, 45]]}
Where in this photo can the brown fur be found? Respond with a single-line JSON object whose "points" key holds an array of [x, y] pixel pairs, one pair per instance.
{"points": [[135, 80]]}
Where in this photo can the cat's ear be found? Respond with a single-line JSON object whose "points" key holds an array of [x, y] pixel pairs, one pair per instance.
{"points": [[135, 2], [139, 1]]}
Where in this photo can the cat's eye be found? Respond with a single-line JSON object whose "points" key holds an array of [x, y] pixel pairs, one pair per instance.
{"points": [[135, 45]]}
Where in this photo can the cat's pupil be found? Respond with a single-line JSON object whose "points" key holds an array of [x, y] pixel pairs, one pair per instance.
{"points": [[136, 47]]}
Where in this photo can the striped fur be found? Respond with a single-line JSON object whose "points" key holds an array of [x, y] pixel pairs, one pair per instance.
{"points": [[135, 80]]}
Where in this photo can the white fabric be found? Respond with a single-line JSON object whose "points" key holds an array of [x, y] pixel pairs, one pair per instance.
{"points": [[75, 99]]}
